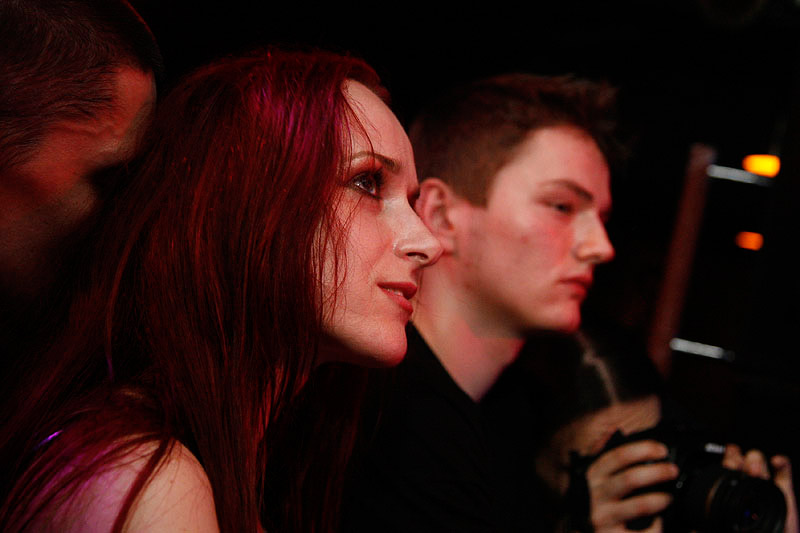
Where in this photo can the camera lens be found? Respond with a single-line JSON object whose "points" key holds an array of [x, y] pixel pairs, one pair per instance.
{"points": [[716, 499]]}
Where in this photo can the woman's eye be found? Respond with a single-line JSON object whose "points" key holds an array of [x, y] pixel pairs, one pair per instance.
{"points": [[368, 182]]}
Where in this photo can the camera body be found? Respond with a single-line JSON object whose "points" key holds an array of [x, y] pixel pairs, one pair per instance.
{"points": [[706, 497]]}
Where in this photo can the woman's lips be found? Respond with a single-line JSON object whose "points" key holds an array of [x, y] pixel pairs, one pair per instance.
{"points": [[401, 293]]}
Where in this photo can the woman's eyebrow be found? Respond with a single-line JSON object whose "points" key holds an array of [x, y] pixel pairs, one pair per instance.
{"points": [[392, 165]]}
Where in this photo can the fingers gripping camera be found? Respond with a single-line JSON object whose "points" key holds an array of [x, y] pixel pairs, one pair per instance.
{"points": [[707, 497]]}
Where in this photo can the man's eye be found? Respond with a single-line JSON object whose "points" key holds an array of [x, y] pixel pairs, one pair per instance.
{"points": [[368, 182], [563, 207]]}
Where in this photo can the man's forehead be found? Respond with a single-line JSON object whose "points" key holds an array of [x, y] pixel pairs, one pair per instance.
{"points": [[73, 150], [558, 157], [135, 100]]}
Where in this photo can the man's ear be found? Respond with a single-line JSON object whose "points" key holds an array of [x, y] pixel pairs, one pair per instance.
{"points": [[436, 199]]}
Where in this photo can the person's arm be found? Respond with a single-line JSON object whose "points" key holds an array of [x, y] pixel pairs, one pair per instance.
{"points": [[755, 464]]}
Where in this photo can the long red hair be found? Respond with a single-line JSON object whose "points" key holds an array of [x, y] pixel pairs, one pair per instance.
{"points": [[200, 319]]}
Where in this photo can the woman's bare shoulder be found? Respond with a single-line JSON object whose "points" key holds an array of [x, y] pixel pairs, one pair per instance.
{"points": [[177, 497]]}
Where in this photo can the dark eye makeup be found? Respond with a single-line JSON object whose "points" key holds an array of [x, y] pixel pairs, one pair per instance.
{"points": [[369, 182]]}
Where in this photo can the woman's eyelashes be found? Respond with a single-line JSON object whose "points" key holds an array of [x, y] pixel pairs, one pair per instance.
{"points": [[369, 182]]}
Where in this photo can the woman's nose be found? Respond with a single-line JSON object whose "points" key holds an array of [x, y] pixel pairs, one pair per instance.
{"points": [[417, 242]]}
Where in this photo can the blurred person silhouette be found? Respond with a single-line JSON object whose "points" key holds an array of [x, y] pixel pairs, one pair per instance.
{"points": [[78, 90]]}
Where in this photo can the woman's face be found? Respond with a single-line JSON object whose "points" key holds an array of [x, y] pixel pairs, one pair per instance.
{"points": [[386, 244]]}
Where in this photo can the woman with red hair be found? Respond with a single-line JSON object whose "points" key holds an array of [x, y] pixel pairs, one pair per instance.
{"points": [[267, 237]]}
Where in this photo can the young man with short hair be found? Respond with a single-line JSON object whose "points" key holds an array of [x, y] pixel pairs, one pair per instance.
{"points": [[514, 174]]}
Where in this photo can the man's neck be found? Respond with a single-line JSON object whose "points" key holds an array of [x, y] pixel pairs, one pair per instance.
{"points": [[473, 352]]}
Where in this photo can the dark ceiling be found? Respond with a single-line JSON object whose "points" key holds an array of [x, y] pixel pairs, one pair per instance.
{"points": [[708, 68]]}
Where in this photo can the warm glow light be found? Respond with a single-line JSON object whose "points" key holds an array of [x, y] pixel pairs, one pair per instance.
{"points": [[762, 164], [749, 240]]}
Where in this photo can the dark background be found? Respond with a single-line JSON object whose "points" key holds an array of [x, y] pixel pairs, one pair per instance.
{"points": [[720, 72]]}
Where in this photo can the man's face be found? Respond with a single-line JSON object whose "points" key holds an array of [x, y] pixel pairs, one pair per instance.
{"points": [[528, 256], [47, 197]]}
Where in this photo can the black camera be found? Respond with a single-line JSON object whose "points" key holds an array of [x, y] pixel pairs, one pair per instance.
{"points": [[706, 497]]}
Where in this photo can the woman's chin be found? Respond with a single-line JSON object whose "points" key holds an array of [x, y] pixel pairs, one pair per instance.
{"points": [[387, 354], [374, 351]]}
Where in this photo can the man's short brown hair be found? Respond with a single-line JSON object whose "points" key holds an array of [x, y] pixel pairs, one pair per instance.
{"points": [[469, 133]]}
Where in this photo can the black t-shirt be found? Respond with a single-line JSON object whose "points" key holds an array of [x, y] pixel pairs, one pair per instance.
{"points": [[435, 460]]}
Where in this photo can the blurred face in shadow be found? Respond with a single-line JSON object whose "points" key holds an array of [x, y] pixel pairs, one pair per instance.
{"points": [[369, 301], [589, 434], [47, 197]]}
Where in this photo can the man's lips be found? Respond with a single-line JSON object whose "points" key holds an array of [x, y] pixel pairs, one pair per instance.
{"points": [[586, 281], [580, 283]]}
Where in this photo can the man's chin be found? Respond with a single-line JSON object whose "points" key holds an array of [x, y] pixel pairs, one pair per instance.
{"points": [[568, 323]]}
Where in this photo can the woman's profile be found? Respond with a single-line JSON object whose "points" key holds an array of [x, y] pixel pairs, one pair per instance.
{"points": [[266, 236]]}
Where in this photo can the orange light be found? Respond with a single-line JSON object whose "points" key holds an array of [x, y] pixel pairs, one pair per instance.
{"points": [[762, 164], [749, 240]]}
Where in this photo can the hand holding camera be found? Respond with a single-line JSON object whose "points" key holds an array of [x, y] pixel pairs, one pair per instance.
{"points": [[616, 473], [669, 479], [753, 463]]}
